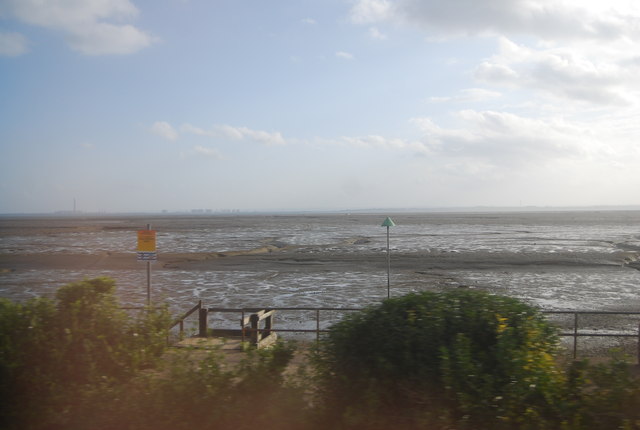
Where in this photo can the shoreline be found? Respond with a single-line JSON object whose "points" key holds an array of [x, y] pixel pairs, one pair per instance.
{"points": [[572, 261], [287, 255]]}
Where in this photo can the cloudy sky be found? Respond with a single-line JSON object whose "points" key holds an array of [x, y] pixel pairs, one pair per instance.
{"points": [[145, 105]]}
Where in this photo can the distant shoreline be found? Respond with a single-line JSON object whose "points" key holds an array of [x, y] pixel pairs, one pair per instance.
{"points": [[257, 212]]}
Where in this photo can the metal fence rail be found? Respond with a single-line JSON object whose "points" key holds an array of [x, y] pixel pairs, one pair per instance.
{"points": [[315, 311], [317, 314], [576, 332]]}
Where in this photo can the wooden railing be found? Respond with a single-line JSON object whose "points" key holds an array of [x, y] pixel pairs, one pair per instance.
{"points": [[316, 311], [260, 337], [180, 320], [250, 321], [251, 318]]}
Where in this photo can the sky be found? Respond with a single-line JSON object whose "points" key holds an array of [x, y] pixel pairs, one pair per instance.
{"points": [[151, 105]]}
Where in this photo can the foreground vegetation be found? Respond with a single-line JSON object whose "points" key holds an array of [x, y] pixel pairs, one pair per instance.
{"points": [[453, 360]]}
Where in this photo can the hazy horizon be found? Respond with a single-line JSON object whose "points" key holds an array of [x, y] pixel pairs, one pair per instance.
{"points": [[145, 106], [301, 211]]}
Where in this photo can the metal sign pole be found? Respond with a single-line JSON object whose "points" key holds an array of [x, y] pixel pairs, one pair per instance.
{"points": [[149, 276], [388, 222], [147, 252], [388, 267]]}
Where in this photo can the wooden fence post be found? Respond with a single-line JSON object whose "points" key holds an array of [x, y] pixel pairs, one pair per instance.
{"points": [[268, 323], [202, 322], [638, 343], [575, 335], [255, 333], [243, 325]]}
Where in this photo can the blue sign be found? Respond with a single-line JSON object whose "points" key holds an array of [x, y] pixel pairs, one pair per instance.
{"points": [[147, 256]]}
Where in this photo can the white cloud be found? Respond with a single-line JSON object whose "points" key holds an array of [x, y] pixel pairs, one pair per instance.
{"points": [[368, 11], [207, 152], [13, 44], [374, 33], [374, 141], [574, 50], [88, 25], [191, 129], [237, 133], [344, 55], [547, 19], [506, 140], [104, 39], [561, 72], [377, 142], [468, 95], [268, 138], [309, 21], [164, 129]]}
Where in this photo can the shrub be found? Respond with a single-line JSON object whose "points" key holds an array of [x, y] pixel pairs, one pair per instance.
{"points": [[601, 396], [26, 373], [97, 339], [198, 389], [52, 353], [462, 357], [76, 362]]}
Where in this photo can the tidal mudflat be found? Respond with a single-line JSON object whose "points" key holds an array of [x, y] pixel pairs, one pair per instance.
{"points": [[557, 260]]}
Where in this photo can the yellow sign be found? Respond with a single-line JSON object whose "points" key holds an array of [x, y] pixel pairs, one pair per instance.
{"points": [[146, 241]]}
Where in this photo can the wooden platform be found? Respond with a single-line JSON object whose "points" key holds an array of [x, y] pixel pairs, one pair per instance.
{"points": [[221, 343], [233, 351], [230, 350]]}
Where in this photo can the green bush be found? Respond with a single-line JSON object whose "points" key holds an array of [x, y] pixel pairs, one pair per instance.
{"points": [[198, 389], [26, 374], [80, 362], [454, 360], [52, 353], [98, 339], [601, 396], [461, 358]]}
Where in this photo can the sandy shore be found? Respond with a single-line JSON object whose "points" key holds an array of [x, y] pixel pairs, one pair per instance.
{"points": [[270, 256], [319, 271], [277, 252], [350, 252]]}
